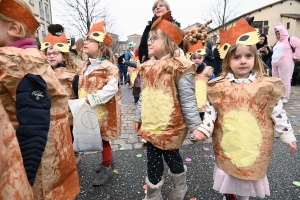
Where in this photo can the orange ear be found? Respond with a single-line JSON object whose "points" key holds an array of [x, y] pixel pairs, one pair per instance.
{"points": [[16, 12]]}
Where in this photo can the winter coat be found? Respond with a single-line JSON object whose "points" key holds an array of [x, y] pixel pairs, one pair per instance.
{"points": [[209, 58]]}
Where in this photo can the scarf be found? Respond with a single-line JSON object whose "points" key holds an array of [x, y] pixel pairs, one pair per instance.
{"points": [[23, 43]]}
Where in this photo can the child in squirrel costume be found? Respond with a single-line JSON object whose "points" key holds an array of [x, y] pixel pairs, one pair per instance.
{"points": [[37, 106], [57, 51], [244, 107], [134, 77], [203, 74], [99, 86], [14, 183], [167, 107]]}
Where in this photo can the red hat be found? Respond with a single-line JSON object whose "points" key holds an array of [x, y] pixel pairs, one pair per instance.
{"points": [[168, 28]]}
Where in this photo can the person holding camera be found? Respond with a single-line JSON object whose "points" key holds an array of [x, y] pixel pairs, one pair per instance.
{"points": [[264, 50]]}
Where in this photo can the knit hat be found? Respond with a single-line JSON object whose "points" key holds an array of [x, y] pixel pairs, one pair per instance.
{"points": [[240, 33], [16, 12], [59, 42], [168, 28], [99, 34], [131, 44]]}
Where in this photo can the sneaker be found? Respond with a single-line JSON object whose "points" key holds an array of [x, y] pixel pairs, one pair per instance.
{"points": [[284, 100], [144, 141], [229, 197], [192, 138]]}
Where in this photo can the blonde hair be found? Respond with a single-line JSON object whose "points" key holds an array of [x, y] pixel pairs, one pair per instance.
{"points": [[23, 32], [165, 2], [79, 44], [258, 63], [170, 46]]}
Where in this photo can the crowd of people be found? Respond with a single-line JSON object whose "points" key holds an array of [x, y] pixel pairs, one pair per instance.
{"points": [[202, 90]]}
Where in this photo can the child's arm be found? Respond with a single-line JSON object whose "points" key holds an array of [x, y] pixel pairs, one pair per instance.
{"points": [[209, 118], [137, 118], [283, 126], [188, 102], [295, 42], [131, 64], [104, 95]]}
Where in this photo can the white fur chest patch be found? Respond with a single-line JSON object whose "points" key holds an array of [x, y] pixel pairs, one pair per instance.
{"points": [[278, 51]]}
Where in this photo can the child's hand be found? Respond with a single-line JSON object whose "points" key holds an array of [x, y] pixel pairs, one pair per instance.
{"points": [[293, 146], [137, 126], [198, 135]]}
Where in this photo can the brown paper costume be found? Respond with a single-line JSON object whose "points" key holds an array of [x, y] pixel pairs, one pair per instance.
{"points": [[109, 114], [165, 129], [57, 176], [13, 180], [244, 114]]}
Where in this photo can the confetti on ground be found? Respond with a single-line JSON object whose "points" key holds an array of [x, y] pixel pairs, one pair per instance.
{"points": [[188, 159], [193, 198], [296, 183], [122, 148], [145, 187], [206, 149], [115, 171], [139, 155], [134, 135]]}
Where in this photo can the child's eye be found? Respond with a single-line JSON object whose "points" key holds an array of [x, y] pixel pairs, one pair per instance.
{"points": [[249, 56], [236, 57]]}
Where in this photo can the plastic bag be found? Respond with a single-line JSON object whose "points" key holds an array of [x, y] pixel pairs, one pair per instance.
{"points": [[86, 130]]}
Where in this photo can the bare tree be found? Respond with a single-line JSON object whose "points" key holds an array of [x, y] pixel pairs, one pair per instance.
{"points": [[79, 15], [221, 12]]}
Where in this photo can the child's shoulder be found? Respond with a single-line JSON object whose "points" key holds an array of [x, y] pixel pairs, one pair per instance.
{"points": [[216, 80], [30, 53]]}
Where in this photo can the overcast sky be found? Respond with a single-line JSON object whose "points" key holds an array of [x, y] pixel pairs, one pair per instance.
{"points": [[132, 15]]}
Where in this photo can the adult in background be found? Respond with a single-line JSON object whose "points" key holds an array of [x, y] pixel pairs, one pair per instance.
{"points": [[159, 8], [264, 50], [209, 58], [217, 61], [283, 59]]}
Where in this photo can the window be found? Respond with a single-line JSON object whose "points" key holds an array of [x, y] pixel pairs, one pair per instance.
{"points": [[288, 25], [266, 27], [47, 13], [41, 9], [43, 30], [258, 25]]}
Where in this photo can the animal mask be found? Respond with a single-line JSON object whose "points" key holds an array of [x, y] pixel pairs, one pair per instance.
{"points": [[59, 42], [99, 34]]}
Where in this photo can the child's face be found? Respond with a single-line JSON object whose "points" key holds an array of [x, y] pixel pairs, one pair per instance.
{"points": [[242, 61], [3, 33], [197, 59], [54, 57], [156, 46], [91, 47]]}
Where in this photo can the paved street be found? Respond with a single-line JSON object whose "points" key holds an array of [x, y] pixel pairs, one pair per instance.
{"points": [[130, 170]]}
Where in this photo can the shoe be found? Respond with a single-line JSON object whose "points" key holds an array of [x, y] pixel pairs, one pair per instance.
{"points": [[105, 174], [77, 158], [284, 100], [99, 167], [179, 186], [229, 197], [192, 138], [144, 141], [154, 191]]}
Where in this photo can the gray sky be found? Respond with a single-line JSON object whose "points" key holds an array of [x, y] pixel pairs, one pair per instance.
{"points": [[132, 15]]}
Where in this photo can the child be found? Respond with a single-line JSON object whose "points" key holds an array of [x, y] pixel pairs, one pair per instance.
{"points": [[57, 51], [12, 167], [243, 109], [167, 107], [204, 73], [37, 106], [134, 77], [99, 86]]}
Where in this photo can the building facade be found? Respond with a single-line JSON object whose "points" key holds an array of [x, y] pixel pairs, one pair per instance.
{"points": [[286, 12], [43, 14]]}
